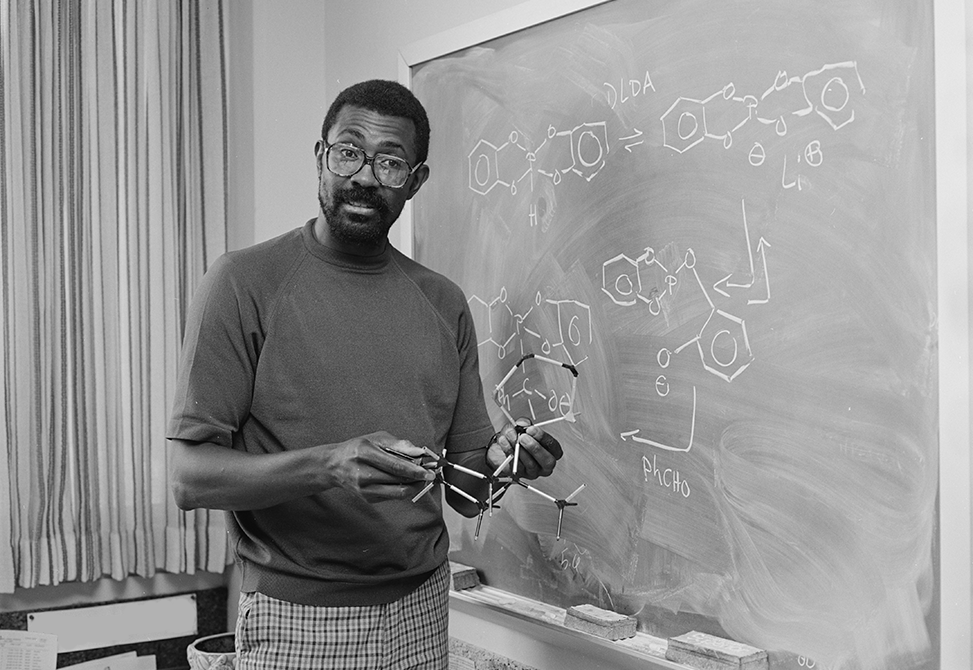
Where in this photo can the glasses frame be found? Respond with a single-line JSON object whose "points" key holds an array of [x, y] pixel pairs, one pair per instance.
{"points": [[368, 160]]}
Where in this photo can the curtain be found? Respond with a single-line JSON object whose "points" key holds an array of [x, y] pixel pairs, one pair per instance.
{"points": [[112, 204]]}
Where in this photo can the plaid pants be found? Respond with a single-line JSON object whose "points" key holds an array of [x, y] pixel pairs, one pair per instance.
{"points": [[411, 632]]}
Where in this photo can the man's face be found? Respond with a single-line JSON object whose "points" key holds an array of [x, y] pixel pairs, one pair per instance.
{"points": [[358, 211]]}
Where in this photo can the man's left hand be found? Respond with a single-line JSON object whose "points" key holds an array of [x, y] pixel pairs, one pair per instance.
{"points": [[539, 451]]}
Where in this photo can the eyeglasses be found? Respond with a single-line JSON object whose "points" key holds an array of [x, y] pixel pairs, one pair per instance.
{"points": [[346, 160]]}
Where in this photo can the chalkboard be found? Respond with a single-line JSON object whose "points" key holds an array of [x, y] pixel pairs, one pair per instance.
{"points": [[722, 215]]}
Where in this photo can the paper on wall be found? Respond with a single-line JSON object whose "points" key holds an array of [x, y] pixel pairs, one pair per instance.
{"points": [[23, 650]]}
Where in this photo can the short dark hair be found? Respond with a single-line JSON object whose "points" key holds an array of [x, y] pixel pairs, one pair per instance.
{"points": [[385, 97]]}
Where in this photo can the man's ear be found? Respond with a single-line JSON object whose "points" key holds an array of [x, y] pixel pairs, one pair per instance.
{"points": [[319, 155], [419, 178]]}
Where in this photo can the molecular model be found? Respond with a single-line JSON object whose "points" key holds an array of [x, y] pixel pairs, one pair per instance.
{"points": [[498, 485]]}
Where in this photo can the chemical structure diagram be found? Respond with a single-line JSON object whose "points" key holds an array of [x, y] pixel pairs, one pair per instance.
{"points": [[721, 342], [573, 319], [588, 144], [827, 92], [497, 484]]}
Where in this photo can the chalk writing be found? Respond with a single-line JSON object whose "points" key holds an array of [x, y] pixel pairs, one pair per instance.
{"points": [[587, 145], [824, 91], [722, 341], [627, 90], [507, 330], [668, 478]]}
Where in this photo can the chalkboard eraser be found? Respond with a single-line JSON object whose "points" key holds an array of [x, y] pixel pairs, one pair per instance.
{"points": [[603, 623], [708, 652], [464, 577]]}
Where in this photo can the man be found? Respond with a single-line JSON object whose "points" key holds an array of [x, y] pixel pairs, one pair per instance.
{"points": [[307, 359]]}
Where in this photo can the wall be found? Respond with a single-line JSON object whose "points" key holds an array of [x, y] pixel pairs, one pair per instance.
{"points": [[277, 102], [363, 38]]}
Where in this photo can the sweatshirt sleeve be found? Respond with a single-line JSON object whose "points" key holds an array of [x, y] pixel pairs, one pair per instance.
{"points": [[218, 360], [472, 427]]}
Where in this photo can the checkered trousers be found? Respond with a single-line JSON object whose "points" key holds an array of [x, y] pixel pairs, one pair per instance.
{"points": [[409, 633]]}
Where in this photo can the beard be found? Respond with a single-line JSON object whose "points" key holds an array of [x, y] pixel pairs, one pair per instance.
{"points": [[354, 228]]}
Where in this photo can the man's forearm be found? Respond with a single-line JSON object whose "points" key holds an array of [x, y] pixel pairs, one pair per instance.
{"points": [[204, 475]]}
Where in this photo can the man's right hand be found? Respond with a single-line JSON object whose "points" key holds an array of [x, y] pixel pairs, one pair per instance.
{"points": [[363, 465]]}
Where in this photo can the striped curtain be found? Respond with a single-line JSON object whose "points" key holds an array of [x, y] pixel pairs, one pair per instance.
{"points": [[112, 204]]}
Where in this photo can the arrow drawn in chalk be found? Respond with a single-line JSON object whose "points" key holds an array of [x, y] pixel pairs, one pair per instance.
{"points": [[636, 136], [668, 447], [762, 248], [726, 280], [724, 285]]}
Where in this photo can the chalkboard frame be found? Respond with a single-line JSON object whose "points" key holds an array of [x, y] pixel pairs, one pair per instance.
{"points": [[954, 277]]}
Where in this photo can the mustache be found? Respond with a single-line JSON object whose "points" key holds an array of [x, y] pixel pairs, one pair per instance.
{"points": [[362, 196]]}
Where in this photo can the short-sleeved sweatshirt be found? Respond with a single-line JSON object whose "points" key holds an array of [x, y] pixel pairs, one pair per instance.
{"points": [[290, 344]]}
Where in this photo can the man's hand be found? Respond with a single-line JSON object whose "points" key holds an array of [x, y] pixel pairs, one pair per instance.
{"points": [[539, 451], [376, 467]]}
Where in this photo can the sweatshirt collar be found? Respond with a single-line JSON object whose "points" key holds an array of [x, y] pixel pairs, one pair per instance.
{"points": [[341, 258]]}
